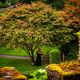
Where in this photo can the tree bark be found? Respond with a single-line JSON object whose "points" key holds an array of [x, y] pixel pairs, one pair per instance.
{"points": [[79, 45], [32, 60], [32, 57], [62, 57]]}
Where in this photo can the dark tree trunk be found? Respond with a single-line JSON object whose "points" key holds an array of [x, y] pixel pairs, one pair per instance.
{"points": [[79, 45], [62, 57], [32, 60], [32, 56], [38, 59], [64, 50]]}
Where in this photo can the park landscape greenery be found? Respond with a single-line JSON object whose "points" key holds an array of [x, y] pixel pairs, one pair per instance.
{"points": [[34, 24]]}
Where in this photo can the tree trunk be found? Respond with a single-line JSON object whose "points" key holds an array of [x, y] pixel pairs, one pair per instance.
{"points": [[62, 57], [32, 57], [79, 45], [32, 60]]}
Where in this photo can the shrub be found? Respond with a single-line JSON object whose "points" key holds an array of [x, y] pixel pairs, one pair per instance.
{"points": [[58, 4], [54, 56], [40, 74], [0, 4], [73, 51], [11, 71], [28, 75], [6, 4], [65, 71], [3, 5], [46, 49]]}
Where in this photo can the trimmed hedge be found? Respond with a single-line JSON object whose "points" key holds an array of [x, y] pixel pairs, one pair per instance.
{"points": [[54, 56]]}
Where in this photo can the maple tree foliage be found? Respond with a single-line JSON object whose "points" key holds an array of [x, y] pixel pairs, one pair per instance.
{"points": [[65, 33], [24, 26], [72, 14], [30, 25]]}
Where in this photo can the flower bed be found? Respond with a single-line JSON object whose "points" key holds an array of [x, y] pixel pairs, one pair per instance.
{"points": [[64, 71], [10, 73]]}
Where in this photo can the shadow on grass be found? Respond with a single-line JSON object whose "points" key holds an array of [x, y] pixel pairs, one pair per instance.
{"points": [[21, 65]]}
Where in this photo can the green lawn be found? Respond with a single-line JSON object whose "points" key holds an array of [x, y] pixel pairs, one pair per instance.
{"points": [[16, 52], [20, 52], [21, 65]]}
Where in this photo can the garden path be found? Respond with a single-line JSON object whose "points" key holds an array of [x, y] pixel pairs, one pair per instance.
{"points": [[15, 57]]}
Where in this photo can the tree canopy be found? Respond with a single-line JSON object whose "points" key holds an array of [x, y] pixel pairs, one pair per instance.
{"points": [[26, 26], [31, 25]]}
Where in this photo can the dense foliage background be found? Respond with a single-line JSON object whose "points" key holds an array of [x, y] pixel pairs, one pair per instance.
{"points": [[58, 4]]}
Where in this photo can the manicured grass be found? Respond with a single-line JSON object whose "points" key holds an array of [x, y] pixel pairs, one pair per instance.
{"points": [[21, 65], [16, 52], [20, 52]]}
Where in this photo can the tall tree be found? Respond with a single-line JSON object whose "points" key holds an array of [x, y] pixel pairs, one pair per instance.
{"points": [[28, 26], [71, 17], [25, 27]]}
